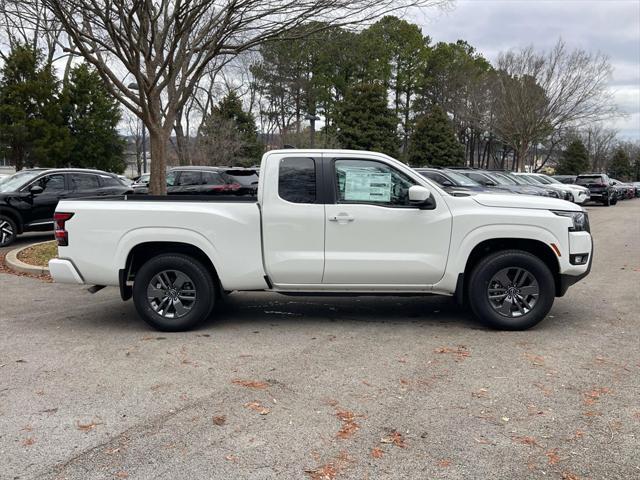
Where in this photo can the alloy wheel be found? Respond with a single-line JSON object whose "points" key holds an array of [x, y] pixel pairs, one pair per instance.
{"points": [[6, 231], [513, 292], [171, 294]]}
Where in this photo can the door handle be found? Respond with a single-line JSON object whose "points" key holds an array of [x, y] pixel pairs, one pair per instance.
{"points": [[342, 218]]}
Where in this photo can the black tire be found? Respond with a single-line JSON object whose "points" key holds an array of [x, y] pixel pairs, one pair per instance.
{"points": [[483, 278], [614, 200], [158, 313], [607, 201], [8, 231]]}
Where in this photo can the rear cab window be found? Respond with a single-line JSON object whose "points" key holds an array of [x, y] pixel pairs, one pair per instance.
{"points": [[297, 180]]}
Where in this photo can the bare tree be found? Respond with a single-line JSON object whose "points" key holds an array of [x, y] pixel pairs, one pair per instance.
{"points": [[537, 94], [166, 46]]}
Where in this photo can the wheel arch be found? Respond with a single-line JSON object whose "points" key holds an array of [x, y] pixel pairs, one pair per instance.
{"points": [[15, 216], [487, 247], [142, 252]]}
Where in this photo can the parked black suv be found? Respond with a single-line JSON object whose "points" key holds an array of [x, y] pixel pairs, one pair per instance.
{"points": [[29, 198], [600, 187]]}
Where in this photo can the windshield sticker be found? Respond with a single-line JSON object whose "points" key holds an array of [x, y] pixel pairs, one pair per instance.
{"points": [[367, 186]]}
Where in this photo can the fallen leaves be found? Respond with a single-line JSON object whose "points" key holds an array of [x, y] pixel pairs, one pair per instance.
{"points": [[255, 384], [481, 393], [552, 456], [444, 463], [122, 475], [87, 427], [530, 441], [395, 438], [27, 442], [594, 395], [330, 470], [219, 420], [536, 360], [349, 425], [377, 452], [257, 407], [460, 352]]}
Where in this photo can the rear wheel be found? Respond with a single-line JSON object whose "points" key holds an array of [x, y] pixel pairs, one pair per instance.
{"points": [[511, 290], [173, 292], [8, 231]]}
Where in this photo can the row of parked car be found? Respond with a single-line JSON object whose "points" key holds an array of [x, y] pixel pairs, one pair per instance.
{"points": [[28, 198], [596, 187]]}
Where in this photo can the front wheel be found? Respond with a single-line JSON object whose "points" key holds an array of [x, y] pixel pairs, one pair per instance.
{"points": [[511, 290], [173, 292], [8, 231]]}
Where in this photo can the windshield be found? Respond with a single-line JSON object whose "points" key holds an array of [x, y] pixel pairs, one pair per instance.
{"points": [[530, 180], [500, 179], [461, 180], [18, 180], [547, 179], [588, 180]]}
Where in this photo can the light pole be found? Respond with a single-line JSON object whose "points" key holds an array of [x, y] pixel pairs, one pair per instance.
{"points": [[313, 118], [134, 86]]}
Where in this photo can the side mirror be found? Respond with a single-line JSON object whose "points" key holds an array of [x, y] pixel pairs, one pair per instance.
{"points": [[421, 197], [36, 190], [490, 183], [446, 183]]}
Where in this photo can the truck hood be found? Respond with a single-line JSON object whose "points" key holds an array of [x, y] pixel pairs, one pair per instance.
{"points": [[524, 201]]}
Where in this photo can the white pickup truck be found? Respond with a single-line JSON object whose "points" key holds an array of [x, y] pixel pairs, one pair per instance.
{"points": [[327, 222]]}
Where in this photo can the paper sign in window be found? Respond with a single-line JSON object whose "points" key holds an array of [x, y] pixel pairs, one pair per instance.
{"points": [[367, 186]]}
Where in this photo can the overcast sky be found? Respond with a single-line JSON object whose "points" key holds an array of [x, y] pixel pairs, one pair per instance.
{"points": [[609, 26]]}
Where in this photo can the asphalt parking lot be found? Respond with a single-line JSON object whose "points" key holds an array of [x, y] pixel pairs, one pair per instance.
{"points": [[324, 388]]}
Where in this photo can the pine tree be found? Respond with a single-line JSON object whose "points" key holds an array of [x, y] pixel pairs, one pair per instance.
{"points": [[32, 130], [365, 122], [574, 160], [229, 134], [620, 166], [92, 116], [434, 142]]}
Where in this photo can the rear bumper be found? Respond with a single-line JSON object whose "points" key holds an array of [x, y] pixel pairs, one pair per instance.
{"points": [[64, 271]]}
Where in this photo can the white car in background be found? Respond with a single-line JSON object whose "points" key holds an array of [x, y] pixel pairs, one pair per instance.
{"points": [[577, 193]]}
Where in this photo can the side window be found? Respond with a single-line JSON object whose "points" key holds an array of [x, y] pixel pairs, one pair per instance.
{"points": [[108, 181], [369, 181], [171, 178], [51, 183], [83, 181], [297, 180], [212, 178], [189, 177]]}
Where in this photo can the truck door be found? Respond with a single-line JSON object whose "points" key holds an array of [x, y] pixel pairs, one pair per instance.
{"points": [[373, 234], [293, 221]]}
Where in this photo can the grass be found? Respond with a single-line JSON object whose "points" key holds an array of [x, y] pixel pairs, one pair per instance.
{"points": [[39, 255]]}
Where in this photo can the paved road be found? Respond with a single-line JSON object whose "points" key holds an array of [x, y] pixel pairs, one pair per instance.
{"points": [[280, 387]]}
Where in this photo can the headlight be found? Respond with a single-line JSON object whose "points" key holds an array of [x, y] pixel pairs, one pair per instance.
{"points": [[580, 220]]}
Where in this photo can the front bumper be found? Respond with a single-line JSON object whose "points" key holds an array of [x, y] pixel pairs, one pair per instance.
{"points": [[565, 280], [64, 271]]}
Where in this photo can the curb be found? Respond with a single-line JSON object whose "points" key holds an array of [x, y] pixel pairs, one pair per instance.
{"points": [[11, 259]]}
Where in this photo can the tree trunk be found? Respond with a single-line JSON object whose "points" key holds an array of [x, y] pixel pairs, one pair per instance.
{"points": [[158, 138], [182, 146]]}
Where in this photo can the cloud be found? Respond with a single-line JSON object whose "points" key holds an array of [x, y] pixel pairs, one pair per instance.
{"points": [[608, 26]]}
